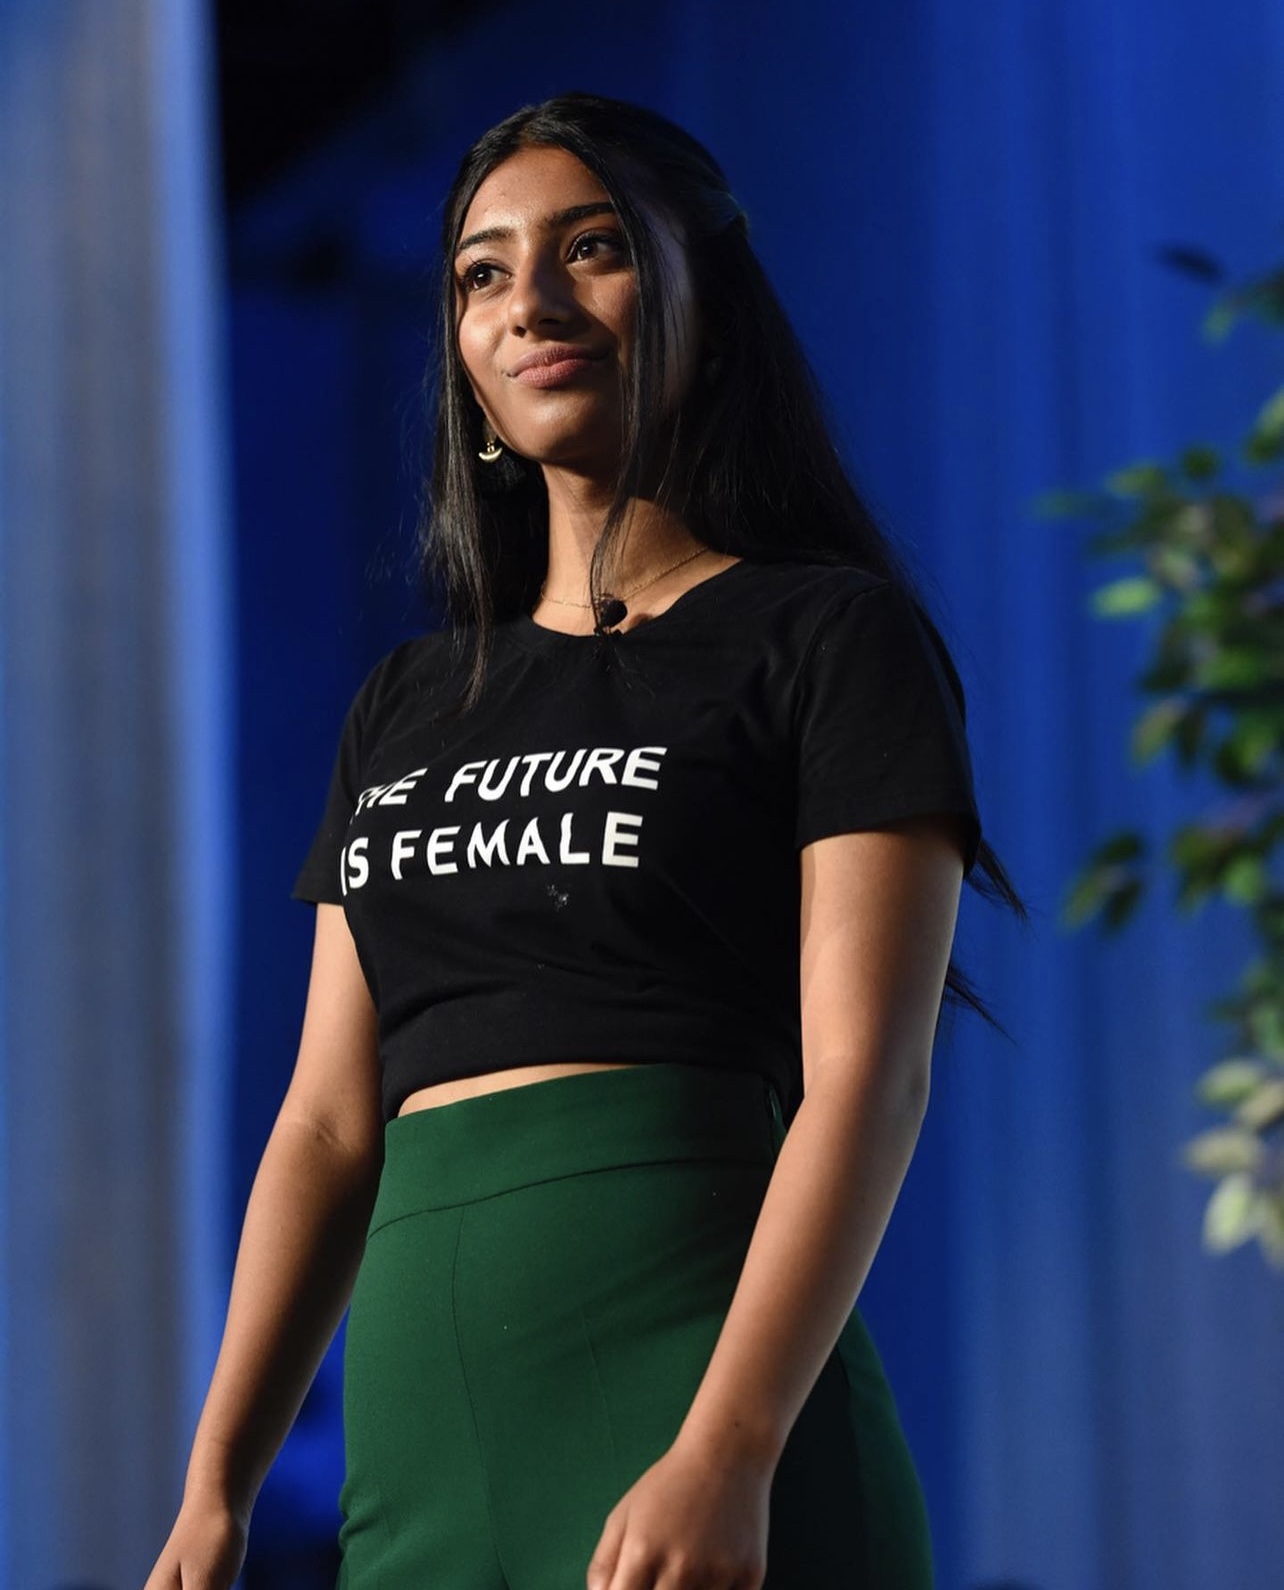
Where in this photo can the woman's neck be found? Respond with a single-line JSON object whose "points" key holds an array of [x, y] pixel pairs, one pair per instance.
{"points": [[652, 537]]}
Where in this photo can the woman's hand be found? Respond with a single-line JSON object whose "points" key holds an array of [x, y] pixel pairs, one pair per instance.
{"points": [[690, 1522], [205, 1551]]}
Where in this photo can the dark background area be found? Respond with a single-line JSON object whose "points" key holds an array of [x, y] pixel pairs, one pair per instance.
{"points": [[291, 72]]}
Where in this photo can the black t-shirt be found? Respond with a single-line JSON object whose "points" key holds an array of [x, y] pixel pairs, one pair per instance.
{"points": [[600, 860]]}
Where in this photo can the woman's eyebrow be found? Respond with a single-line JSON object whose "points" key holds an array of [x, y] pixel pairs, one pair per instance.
{"points": [[577, 212]]}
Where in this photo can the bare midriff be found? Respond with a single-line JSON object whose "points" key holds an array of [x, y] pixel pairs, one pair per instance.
{"points": [[496, 1081]]}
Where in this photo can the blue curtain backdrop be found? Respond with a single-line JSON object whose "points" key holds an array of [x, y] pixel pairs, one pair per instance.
{"points": [[961, 207]]}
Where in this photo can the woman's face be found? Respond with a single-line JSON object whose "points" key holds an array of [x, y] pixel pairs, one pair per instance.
{"points": [[546, 299]]}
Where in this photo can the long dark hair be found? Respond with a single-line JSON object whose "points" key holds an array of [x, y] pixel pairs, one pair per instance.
{"points": [[747, 463]]}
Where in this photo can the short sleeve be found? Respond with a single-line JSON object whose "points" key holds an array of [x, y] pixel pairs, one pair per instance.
{"points": [[880, 722], [319, 879]]}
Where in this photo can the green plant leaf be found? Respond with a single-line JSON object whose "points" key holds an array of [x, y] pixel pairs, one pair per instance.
{"points": [[1121, 598], [1195, 847], [1229, 1082], [1108, 885], [1172, 667], [1263, 298], [1142, 479], [1270, 1233], [1110, 872], [1229, 766], [1244, 881], [1191, 525], [1177, 567], [1232, 1215], [1155, 728], [1126, 845], [1203, 616], [1200, 462], [1262, 447], [1220, 321], [1083, 899], [1257, 736], [1270, 420], [1189, 736], [1120, 903], [1233, 518], [1270, 915], [1233, 668], [1263, 1108], [1224, 1150], [1266, 1025]]}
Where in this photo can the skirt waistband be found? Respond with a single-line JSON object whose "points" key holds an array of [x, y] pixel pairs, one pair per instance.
{"points": [[564, 1126]]}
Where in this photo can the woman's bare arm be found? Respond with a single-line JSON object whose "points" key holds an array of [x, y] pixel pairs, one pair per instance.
{"points": [[878, 915], [300, 1247]]}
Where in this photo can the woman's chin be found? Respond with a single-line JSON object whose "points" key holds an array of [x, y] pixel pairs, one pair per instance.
{"points": [[575, 454]]}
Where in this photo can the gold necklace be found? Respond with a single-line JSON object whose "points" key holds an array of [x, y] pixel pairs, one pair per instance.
{"points": [[633, 590]]}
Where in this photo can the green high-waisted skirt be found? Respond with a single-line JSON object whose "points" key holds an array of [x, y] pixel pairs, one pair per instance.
{"points": [[547, 1271]]}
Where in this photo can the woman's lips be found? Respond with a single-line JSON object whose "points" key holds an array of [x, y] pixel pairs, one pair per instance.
{"points": [[557, 371], [555, 364]]}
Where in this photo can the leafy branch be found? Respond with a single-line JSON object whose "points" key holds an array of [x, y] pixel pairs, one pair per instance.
{"points": [[1207, 577]]}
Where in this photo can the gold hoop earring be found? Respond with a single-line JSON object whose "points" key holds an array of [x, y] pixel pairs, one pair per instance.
{"points": [[493, 450]]}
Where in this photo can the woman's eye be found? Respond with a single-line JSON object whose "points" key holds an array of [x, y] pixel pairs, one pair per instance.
{"points": [[473, 278], [595, 244]]}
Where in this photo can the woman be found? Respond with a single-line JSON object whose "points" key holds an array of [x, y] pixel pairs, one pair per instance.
{"points": [[635, 895]]}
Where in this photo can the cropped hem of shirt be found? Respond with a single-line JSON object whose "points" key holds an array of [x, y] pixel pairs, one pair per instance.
{"points": [[600, 860]]}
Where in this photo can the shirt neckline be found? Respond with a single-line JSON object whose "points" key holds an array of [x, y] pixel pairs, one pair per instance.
{"points": [[526, 628]]}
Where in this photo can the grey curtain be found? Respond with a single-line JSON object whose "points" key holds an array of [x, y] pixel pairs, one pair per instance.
{"points": [[114, 816]]}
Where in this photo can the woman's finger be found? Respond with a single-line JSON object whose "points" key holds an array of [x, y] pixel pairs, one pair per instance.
{"points": [[606, 1553]]}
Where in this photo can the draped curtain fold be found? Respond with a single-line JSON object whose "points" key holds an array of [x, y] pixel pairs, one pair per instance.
{"points": [[114, 811]]}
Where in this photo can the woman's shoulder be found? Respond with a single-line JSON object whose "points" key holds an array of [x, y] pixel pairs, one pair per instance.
{"points": [[796, 592], [827, 607], [424, 664], [807, 577]]}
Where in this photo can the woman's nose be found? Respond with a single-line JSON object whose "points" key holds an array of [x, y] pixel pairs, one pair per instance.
{"points": [[541, 295]]}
